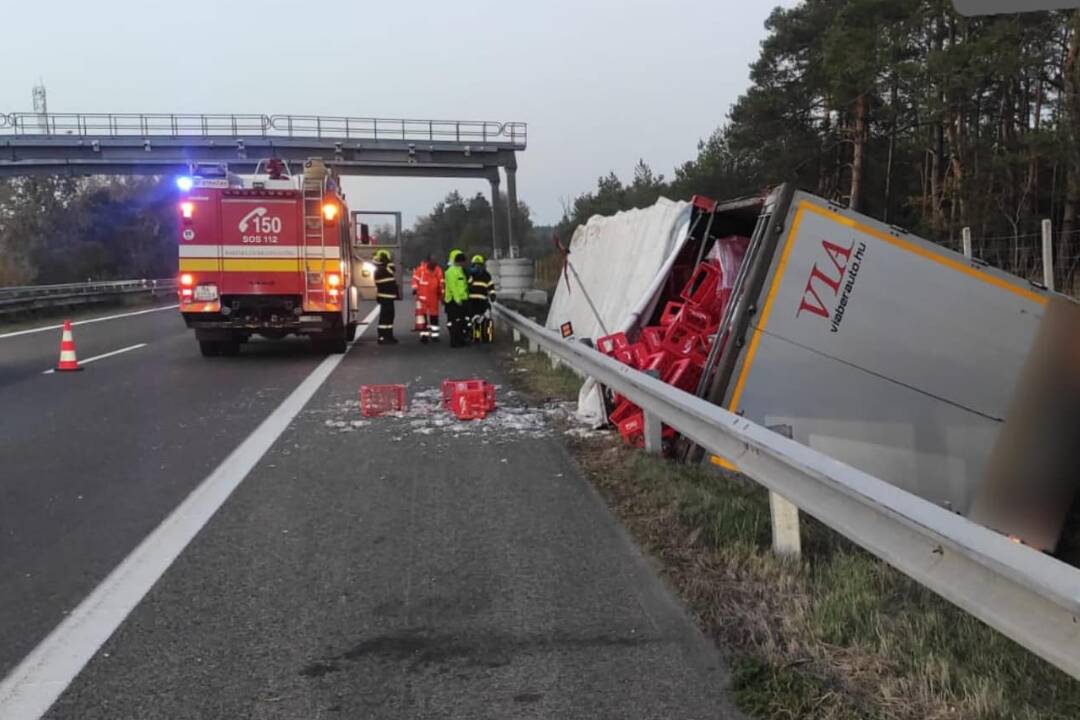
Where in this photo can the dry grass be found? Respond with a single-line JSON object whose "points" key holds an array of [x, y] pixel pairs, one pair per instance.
{"points": [[837, 634]]}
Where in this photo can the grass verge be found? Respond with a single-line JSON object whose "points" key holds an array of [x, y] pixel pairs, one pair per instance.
{"points": [[837, 634]]}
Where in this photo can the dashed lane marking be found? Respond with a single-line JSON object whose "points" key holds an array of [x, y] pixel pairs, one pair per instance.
{"points": [[86, 322], [95, 358]]}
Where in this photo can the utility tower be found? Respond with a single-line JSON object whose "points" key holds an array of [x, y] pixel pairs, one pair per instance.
{"points": [[41, 105]]}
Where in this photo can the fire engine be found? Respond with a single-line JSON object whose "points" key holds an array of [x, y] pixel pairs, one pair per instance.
{"points": [[267, 254]]}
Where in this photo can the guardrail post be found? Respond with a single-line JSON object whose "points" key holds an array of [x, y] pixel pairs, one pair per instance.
{"points": [[785, 525], [653, 434], [966, 235], [534, 347], [1048, 254], [517, 336]]}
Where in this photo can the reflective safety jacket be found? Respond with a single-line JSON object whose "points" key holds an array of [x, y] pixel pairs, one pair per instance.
{"points": [[481, 286], [457, 285], [386, 287], [428, 285]]}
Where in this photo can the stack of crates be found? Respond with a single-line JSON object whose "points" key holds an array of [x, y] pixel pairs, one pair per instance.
{"points": [[675, 350]]}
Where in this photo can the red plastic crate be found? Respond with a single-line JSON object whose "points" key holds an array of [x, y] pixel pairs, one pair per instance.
{"points": [[670, 313], [683, 374], [641, 353], [702, 288], [623, 409], [660, 362], [378, 399], [653, 336], [681, 340], [697, 319], [609, 344], [626, 357], [468, 399], [452, 388], [632, 430]]}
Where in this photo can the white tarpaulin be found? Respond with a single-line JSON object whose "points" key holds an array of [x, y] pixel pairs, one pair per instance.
{"points": [[620, 263]]}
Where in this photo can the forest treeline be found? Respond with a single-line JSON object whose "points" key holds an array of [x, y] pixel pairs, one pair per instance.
{"points": [[907, 111]]}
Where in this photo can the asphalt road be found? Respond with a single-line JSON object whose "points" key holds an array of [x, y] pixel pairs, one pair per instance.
{"points": [[399, 567]]}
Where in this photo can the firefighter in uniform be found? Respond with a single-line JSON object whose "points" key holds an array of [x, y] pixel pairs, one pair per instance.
{"points": [[428, 285], [456, 299], [386, 292], [481, 295]]}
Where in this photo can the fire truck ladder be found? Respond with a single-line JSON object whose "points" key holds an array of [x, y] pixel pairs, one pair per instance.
{"points": [[314, 192]]}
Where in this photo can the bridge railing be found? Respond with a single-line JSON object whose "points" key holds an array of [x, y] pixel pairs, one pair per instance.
{"points": [[138, 124], [514, 134], [1026, 595], [362, 128], [32, 297]]}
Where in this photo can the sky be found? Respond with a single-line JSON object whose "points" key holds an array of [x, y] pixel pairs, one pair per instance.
{"points": [[601, 83]]}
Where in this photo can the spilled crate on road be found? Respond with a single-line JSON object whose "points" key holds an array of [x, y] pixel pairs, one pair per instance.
{"points": [[468, 399]]}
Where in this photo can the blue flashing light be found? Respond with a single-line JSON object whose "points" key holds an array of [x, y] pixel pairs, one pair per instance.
{"points": [[184, 183]]}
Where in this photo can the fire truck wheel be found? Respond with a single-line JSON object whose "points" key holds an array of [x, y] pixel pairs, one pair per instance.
{"points": [[350, 331], [336, 344], [230, 347], [209, 348]]}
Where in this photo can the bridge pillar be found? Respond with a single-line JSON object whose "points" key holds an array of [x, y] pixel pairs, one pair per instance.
{"points": [[498, 218], [511, 209]]}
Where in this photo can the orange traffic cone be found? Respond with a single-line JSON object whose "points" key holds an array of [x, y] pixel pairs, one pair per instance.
{"points": [[420, 324], [67, 363]]}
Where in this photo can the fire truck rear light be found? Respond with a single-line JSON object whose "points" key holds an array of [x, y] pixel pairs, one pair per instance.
{"points": [[333, 292], [187, 279], [330, 211], [186, 292], [187, 209], [333, 279]]}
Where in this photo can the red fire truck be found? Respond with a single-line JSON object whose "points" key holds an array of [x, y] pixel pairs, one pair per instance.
{"points": [[266, 254]]}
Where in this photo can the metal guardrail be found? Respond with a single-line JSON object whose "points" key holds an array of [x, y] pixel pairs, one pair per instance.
{"points": [[1027, 596], [29, 297], [514, 134]]}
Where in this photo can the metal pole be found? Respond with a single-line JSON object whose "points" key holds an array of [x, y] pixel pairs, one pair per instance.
{"points": [[497, 218], [511, 208], [785, 525], [653, 431], [966, 235], [1048, 254]]}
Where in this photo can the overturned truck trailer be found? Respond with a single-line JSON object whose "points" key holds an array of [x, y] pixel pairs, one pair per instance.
{"points": [[889, 353]]}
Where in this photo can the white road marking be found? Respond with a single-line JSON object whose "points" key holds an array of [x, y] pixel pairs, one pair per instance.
{"points": [[86, 322], [34, 685], [89, 360]]}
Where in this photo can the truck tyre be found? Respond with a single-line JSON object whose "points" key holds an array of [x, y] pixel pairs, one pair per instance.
{"points": [[337, 342], [350, 331], [209, 348], [229, 347]]}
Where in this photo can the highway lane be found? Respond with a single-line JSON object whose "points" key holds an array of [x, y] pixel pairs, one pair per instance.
{"points": [[25, 354], [90, 462], [403, 569]]}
